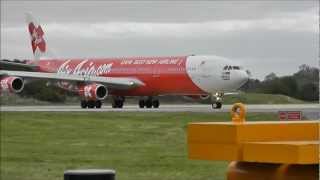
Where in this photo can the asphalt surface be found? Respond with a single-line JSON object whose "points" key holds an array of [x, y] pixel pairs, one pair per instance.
{"points": [[310, 111], [170, 108]]}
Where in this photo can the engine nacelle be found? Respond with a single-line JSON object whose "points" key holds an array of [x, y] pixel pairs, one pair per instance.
{"points": [[93, 91], [205, 97], [11, 84]]}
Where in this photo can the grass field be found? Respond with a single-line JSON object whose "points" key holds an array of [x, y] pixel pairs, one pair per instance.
{"points": [[144, 146]]}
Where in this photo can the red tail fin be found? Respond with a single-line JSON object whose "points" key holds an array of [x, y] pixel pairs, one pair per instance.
{"points": [[38, 42]]}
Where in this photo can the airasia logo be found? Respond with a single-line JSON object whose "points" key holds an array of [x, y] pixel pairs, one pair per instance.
{"points": [[4, 83], [87, 91], [37, 40], [84, 68]]}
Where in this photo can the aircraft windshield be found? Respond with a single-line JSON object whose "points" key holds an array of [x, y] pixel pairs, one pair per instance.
{"points": [[228, 68]]}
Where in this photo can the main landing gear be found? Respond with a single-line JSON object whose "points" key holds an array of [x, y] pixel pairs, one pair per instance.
{"points": [[91, 104], [118, 101], [149, 103]]}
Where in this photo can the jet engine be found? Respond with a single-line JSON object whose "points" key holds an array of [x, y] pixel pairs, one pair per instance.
{"points": [[11, 84], [93, 91], [205, 97]]}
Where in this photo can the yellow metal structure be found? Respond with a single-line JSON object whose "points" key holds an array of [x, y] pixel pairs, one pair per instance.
{"points": [[238, 113], [267, 171], [255, 141], [290, 152], [274, 150]]}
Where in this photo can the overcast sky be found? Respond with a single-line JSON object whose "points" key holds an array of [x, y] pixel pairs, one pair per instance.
{"points": [[265, 36]]}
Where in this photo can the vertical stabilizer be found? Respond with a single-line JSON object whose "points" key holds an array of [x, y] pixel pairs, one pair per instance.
{"points": [[38, 43]]}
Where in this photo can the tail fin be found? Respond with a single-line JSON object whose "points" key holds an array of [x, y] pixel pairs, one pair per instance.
{"points": [[38, 43]]}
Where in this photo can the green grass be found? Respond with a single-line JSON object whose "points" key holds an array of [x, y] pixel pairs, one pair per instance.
{"points": [[144, 146], [257, 98]]}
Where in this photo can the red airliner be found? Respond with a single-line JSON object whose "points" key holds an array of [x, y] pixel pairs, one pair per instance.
{"points": [[94, 79]]}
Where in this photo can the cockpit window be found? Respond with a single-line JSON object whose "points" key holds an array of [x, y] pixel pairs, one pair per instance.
{"points": [[236, 67], [227, 67]]}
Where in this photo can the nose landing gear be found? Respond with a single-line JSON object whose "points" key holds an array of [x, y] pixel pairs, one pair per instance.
{"points": [[216, 105], [216, 101]]}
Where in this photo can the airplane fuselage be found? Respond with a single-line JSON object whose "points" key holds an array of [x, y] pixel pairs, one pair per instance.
{"points": [[174, 75]]}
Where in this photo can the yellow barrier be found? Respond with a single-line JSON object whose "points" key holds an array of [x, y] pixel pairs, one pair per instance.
{"points": [[276, 142], [266, 171], [291, 152], [234, 142], [238, 113]]}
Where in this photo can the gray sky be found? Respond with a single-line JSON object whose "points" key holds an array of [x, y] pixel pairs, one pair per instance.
{"points": [[265, 36]]}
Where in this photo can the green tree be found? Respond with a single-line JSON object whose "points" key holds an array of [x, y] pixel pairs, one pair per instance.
{"points": [[270, 77], [288, 86], [309, 92]]}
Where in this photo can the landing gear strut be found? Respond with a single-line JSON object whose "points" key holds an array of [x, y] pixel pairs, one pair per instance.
{"points": [[84, 104], [118, 101], [90, 104], [149, 103]]}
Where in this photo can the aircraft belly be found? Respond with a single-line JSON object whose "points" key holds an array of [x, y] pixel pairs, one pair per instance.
{"points": [[163, 85]]}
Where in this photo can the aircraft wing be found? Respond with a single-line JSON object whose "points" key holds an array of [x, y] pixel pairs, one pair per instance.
{"points": [[17, 66], [112, 82]]}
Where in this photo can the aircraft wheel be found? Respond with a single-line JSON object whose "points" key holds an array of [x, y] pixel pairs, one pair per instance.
{"points": [[118, 101], [84, 104], [117, 104], [217, 105], [149, 103], [91, 104], [120, 104], [98, 104], [114, 104], [141, 103], [155, 104]]}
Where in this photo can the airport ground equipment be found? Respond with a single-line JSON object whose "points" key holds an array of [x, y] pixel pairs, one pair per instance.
{"points": [[269, 150], [90, 174]]}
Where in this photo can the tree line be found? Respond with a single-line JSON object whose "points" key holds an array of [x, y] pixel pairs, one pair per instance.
{"points": [[303, 84]]}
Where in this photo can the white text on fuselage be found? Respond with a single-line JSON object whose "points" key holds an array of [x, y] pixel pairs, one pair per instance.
{"points": [[84, 68], [168, 61]]}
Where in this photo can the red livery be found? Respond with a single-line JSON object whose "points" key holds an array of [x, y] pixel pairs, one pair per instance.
{"points": [[94, 79]]}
